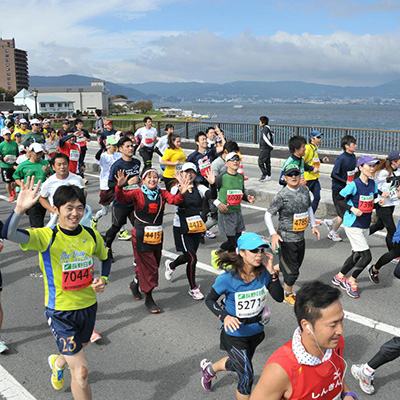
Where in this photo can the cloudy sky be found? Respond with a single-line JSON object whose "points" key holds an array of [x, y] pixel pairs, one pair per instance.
{"points": [[341, 42]]}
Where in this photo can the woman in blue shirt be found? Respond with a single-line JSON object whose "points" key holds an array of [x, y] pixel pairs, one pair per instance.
{"points": [[245, 313]]}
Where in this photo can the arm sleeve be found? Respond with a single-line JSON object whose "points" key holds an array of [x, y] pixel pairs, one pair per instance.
{"points": [[308, 167], [11, 232], [64, 139], [276, 290], [270, 225], [98, 154], [212, 304], [312, 218], [103, 255]]}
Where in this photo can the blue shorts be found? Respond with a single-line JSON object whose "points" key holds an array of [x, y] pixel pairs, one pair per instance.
{"points": [[71, 329]]}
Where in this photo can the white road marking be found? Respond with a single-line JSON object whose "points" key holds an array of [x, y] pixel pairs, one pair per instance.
{"points": [[370, 323], [10, 388]]}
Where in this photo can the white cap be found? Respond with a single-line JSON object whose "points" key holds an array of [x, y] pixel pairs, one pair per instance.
{"points": [[46, 120], [23, 121], [231, 155], [5, 131], [21, 148], [35, 121], [187, 166], [36, 147]]}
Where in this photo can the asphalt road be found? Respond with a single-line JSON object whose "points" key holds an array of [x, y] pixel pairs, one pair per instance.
{"points": [[145, 356]]}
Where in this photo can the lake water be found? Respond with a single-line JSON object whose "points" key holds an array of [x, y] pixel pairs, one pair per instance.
{"points": [[351, 116]]}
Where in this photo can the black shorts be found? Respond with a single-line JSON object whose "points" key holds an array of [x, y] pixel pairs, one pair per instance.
{"points": [[106, 197], [186, 242], [340, 211], [7, 174], [71, 329], [291, 256]]}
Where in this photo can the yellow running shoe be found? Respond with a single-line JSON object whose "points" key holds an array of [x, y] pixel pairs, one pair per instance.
{"points": [[124, 236], [214, 259], [290, 298], [94, 224], [57, 376]]}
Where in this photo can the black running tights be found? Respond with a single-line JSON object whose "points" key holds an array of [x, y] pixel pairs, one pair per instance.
{"points": [[358, 260], [190, 258]]}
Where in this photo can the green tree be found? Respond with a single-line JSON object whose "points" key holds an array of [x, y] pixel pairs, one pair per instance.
{"points": [[143, 106]]}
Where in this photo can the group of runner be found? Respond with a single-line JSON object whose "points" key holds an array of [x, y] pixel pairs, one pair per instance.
{"points": [[205, 187]]}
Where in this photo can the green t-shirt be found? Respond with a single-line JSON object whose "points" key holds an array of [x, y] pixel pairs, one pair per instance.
{"points": [[28, 168], [230, 191], [34, 138], [9, 149]]}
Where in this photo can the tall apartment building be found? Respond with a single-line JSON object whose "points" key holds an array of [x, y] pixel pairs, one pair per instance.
{"points": [[13, 66]]}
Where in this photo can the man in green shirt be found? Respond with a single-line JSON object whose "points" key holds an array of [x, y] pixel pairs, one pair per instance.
{"points": [[8, 156], [40, 169], [35, 136]]}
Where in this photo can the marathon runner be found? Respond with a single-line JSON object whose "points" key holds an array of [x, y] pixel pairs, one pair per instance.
{"points": [[188, 227], [66, 260], [245, 285], [343, 172], [8, 156], [311, 365], [146, 138], [147, 234], [69, 147], [293, 204], [120, 212], [162, 143], [231, 192], [357, 198]]}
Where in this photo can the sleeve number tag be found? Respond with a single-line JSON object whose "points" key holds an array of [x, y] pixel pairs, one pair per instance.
{"points": [[366, 204], [316, 162], [234, 197], [350, 176], [130, 187], [250, 304], [74, 155], [77, 275], [300, 222], [195, 224], [152, 234]]}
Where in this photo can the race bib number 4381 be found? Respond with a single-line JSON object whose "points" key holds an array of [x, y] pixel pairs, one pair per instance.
{"points": [[77, 275], [250, 304]]}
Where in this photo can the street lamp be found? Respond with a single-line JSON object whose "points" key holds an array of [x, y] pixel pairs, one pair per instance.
{"points": [[35, 93]]}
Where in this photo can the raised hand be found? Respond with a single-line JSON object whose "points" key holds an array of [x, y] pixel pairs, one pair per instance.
{"points": [[121, 178], [28, 195], [210, 177]]}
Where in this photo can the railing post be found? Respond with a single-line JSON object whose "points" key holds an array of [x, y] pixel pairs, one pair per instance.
{"points": [[297, 131], [159, 128], [187, 130], [134, 126], [255, 135]]}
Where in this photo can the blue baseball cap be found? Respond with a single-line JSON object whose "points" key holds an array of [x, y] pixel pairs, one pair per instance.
{"points": [[250, 241], [315, 133], [367, 160]]}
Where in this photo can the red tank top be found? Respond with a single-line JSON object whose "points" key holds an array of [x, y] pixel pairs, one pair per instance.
{"points": [[308, 382]]}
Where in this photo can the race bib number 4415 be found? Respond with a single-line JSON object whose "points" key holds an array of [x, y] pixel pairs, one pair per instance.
{"points": [[250, 304], [77, 275], [152, 234]]}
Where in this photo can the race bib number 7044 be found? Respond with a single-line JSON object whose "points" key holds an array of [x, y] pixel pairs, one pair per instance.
{"points": [[77, 275]]}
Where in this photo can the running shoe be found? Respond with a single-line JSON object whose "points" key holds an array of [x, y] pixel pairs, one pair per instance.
{"points": [[373, 275], [289, 298], [11, 199], [196, 293], [124, 235], [366, 382], [57, 377], [329, 224], [245, 178], [262, 179], [215, 258], [168, 270], [338, 281], [94, 224], [95, 337], [318, 222], [334, 237], [3, 346], [13, 193], [267, 178], [395, 260], [134, 287], [352, 289], [210, 235], [206, 376]]}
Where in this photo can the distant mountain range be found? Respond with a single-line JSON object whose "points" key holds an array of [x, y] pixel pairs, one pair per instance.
{"points": [[191, 91]]}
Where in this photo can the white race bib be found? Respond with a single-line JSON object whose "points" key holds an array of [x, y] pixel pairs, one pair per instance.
{"points": [[250, 304], [74, 155], [11, 159]]}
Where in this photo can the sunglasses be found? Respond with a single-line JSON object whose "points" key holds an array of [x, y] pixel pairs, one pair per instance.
{"points": [[35, 124], [293, 174], [258, 250], [235, 158]]}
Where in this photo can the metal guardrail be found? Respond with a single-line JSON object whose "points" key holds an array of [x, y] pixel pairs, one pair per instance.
{"points": [[368, 140]]}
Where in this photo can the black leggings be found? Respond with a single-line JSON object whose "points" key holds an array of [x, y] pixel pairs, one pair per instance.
{"points": [[230, 244], [358, 260], [389, 351], [119, 217], [387, 257], [385, 220], [190, 258]]}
